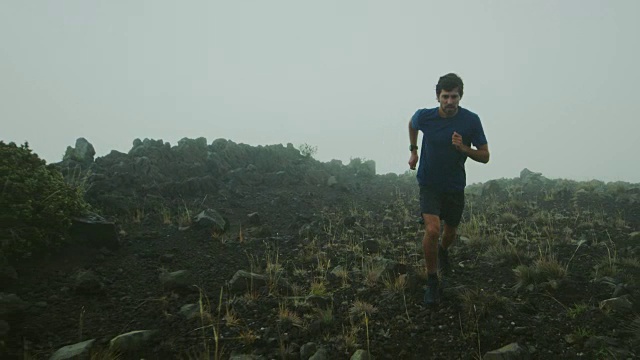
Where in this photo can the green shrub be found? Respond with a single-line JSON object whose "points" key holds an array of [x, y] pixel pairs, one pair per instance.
{"points": [[307, 150], [36, 204]]}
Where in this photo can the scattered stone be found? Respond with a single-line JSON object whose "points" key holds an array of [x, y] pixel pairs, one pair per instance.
{"points": [[349, 221], [512, 351], [336, 273], [305, 231], [245, 357], [371, 246], [361, 355], [520, 330], [166, 258], [75, 351], [212, 220], [607, 280], [571, 338], [243, 281], [253, 219], [389, 269], [190, 311], [307, 350], [321, 354], [620, 290], [262, 231], [177, 280], [620, 304], [87, 282], [133, 341]]}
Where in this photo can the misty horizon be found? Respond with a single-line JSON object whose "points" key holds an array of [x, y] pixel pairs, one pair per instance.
{"points": [[552, 82]]}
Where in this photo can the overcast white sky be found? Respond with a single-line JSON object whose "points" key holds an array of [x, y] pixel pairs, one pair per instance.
{"points": [[554, 81]]}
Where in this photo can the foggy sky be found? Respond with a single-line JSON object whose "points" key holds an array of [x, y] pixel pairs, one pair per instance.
{"points": [[553, 81]]}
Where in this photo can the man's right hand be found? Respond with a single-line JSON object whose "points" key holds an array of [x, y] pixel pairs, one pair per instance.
{"points": [[413, 160]]}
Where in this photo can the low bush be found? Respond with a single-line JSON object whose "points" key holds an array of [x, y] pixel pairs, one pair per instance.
{"points": [[36, 204]]}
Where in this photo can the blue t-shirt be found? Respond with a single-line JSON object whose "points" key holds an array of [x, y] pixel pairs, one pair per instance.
{"points": [[441, 165]]}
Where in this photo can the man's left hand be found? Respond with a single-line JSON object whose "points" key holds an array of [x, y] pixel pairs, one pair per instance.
{"points": [[456, 140]]}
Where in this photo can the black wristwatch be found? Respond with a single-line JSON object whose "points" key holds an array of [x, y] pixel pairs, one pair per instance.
{"points": [[413, 147]]}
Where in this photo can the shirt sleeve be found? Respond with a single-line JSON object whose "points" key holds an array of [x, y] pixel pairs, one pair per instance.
{"points": [[415, 120], [478, 138]]}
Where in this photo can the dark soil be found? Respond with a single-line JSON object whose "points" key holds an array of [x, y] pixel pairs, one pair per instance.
{"points": [[481, 310]]}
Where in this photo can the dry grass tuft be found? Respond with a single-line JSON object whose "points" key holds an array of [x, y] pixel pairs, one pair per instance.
{"points": [[478, 303], [318, 287], [247, 336], [394, 286], [359, 308], [545, 269], [350, 337], [288, 316], [504, 253], [372, 274], [325, 316]]}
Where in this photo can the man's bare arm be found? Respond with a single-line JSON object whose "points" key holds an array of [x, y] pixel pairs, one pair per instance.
{"points": [[413, 140], [413, 136], [481, 154]]}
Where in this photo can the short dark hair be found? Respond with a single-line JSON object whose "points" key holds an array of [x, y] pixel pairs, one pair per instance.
{"points": [[448, 83]]}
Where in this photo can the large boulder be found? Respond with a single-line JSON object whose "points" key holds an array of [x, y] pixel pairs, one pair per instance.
{"points": [[94, 231], [83, 152], [532, 182], [177, 280], [212, 220], [76, 351], [133, 341], [528, 175], [11, 306], [512, 351], [88, 283]]}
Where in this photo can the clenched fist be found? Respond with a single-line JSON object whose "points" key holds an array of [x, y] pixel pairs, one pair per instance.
{"points": [[413, 160], [456, 140]]}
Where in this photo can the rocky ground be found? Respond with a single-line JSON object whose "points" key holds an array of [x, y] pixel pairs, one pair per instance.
{"points": [[323, 261]]}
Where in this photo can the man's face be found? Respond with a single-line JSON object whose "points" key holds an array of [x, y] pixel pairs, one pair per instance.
{"points": [[449, 101]]}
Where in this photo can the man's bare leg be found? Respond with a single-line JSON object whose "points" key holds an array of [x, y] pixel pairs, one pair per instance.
{"points": [[430, 242], [430, 248], [448, 236]]}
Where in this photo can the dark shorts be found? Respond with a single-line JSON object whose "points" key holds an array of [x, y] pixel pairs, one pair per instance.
{"points": [[447, 205]]}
